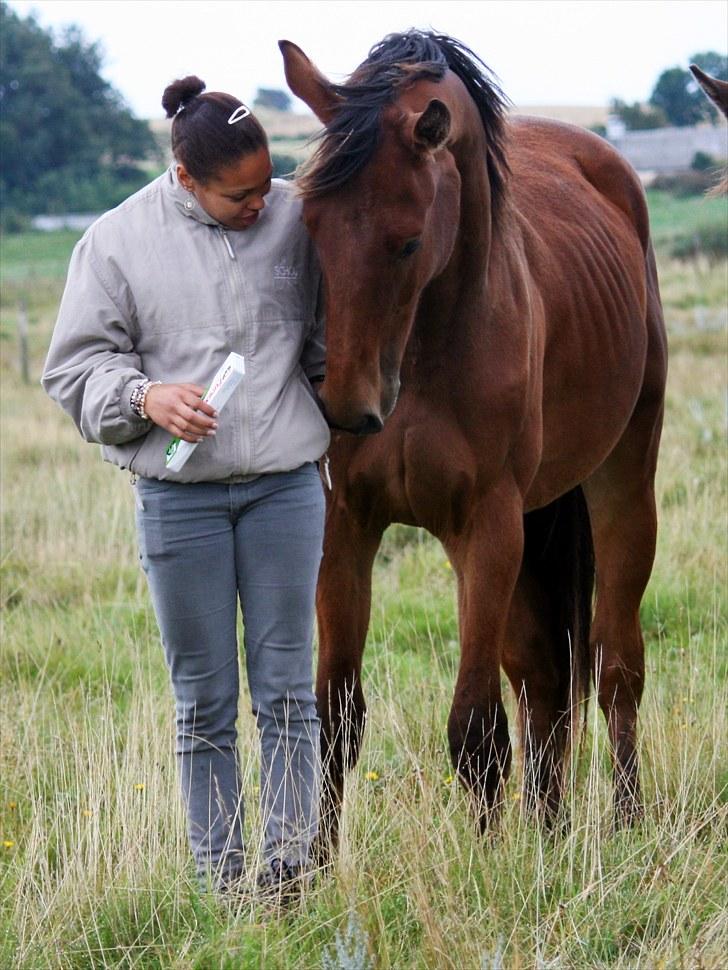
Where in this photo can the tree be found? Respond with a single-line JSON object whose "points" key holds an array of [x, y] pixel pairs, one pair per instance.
{"points": [[272, 98], [712, 63], [637, 117], [673, 95], [68, 139], [677, 94]]}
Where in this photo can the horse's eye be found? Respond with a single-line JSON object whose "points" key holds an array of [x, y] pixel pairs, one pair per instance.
{"points": [[411, 246]]}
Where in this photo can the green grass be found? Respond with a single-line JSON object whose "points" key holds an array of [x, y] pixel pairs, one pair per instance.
{"points": [[94, 865], [35, 256], [671, 217]]}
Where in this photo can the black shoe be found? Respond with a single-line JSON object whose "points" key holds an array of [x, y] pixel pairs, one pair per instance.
{"points": [[283, 882]]}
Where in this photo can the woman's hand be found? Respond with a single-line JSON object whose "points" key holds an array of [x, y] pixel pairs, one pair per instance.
{"points": [[179, 409]]}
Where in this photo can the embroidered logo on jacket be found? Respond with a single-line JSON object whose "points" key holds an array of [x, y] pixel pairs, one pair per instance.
{"points": [[281, 271]]}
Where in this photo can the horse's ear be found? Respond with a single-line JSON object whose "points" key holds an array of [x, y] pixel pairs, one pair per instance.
{"points": [[716, 89], [430, 129], [307, 82]]}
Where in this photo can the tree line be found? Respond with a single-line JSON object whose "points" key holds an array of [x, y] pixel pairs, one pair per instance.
{"points": [[71, 144], [676, 98]]}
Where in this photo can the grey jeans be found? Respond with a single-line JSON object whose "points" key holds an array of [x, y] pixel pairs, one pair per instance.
{"points": [[202, 546]]}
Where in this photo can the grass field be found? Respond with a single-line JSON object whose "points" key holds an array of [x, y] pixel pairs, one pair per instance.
{"points": [[94, 869]]}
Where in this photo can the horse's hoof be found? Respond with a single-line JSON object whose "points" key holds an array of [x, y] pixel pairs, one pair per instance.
{"points": [[628, 813], [322, 854]]}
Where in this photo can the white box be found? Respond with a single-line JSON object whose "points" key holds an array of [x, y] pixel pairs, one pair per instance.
{"points": [[218, 393]]}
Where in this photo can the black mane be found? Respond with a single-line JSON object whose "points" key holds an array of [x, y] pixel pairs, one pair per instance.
{"points": [[350, 139]]}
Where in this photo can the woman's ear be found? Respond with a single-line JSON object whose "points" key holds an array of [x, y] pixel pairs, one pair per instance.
{"points": [[185, 179]]}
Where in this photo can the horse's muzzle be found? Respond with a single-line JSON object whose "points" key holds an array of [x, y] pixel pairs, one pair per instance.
{"points": [[361, 418], [369, 424]]}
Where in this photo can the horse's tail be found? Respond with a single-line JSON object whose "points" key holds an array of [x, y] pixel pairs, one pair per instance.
{"points": [[559, 554]]}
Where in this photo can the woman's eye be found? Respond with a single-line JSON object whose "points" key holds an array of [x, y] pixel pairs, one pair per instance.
{"points": [[410, 247]]}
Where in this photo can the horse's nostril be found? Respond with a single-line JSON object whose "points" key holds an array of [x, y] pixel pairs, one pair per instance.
{"points": [[370, 424]]}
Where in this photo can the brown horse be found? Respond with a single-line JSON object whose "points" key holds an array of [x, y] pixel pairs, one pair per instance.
{"points": [[493, 311], [714, 88], [717, 91]]}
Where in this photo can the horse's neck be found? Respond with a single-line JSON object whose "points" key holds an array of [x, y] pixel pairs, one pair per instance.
{"points": [[472, 250], [456, 298]]}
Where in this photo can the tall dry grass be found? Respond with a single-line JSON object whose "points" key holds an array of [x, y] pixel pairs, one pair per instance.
{"points": [[94, 868]]}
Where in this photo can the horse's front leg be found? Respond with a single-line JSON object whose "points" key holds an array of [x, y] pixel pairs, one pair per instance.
{"points": [[343, 603], [486, 557]]}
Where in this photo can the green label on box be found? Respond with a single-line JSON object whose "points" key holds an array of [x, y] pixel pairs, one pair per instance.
{"points": [[172, 448]]}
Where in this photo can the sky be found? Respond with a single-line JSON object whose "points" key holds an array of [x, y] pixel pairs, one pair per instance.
{"points": [[545, 52]]}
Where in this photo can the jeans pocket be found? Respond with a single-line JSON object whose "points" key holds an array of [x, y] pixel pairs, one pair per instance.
{"points": [[149, 530], [141, 544], [138, 499], [153, 486]]}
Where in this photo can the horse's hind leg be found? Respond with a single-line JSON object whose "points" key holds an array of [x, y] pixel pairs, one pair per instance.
{"points": [[542, 691], [343, 605], [621, 501], [546, 654]]}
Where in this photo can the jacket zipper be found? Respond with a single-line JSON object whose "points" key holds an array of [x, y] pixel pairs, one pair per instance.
{"points": [[231, 254], [133, 477], [245, 413]]}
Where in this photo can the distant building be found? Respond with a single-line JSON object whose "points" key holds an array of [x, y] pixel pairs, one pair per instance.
{"points": [[78, 221], [615, 128], [669, 151]]}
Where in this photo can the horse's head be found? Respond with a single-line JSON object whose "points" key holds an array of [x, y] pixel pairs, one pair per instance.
{"points": [[382, 204]]}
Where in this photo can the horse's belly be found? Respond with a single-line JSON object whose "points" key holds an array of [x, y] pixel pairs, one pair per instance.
{"points": [[591, 277], [590, 390]]}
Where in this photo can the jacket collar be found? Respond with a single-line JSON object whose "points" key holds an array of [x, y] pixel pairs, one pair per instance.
{"points": [[184, 201]]}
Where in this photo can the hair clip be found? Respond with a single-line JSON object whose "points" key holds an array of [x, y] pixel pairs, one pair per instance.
{"points": [[240, 112]]}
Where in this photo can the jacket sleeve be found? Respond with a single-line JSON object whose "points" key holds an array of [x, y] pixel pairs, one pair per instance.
{"points": [[313, 355], [92, 365]]}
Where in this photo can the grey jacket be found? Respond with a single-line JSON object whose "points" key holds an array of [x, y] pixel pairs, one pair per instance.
{"points": [[158, 289]]}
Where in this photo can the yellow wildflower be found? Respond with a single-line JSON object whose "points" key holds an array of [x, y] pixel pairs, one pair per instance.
{"points": [[139, 786], [449, 780], [12, 806], [87, 812], [372, 776], [8, 844]]}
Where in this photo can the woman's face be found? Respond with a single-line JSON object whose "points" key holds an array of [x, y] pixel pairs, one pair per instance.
{"points": [[235, 196]]}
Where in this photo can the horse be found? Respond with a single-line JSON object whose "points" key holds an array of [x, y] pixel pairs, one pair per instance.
{"points": [[714, 88], [717, 91], [496, 366]]}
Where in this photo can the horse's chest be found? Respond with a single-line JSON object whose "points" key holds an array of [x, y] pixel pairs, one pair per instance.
{"points": [[421, 473], [438, 477]]}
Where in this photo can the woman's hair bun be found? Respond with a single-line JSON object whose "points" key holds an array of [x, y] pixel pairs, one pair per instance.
{"points": [[180, 93]]}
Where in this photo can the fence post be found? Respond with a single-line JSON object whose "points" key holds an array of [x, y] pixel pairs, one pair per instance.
{"points": [[23, 342]]}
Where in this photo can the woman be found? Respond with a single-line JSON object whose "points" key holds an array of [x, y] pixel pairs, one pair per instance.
{"points": [[209, 258]]}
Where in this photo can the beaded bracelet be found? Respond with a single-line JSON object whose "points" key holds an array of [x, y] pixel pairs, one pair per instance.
{"points": [[135, 398], [138, 399]]}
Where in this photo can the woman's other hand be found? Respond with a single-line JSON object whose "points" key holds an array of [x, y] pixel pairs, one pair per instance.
{"points": [[179, 409]]}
